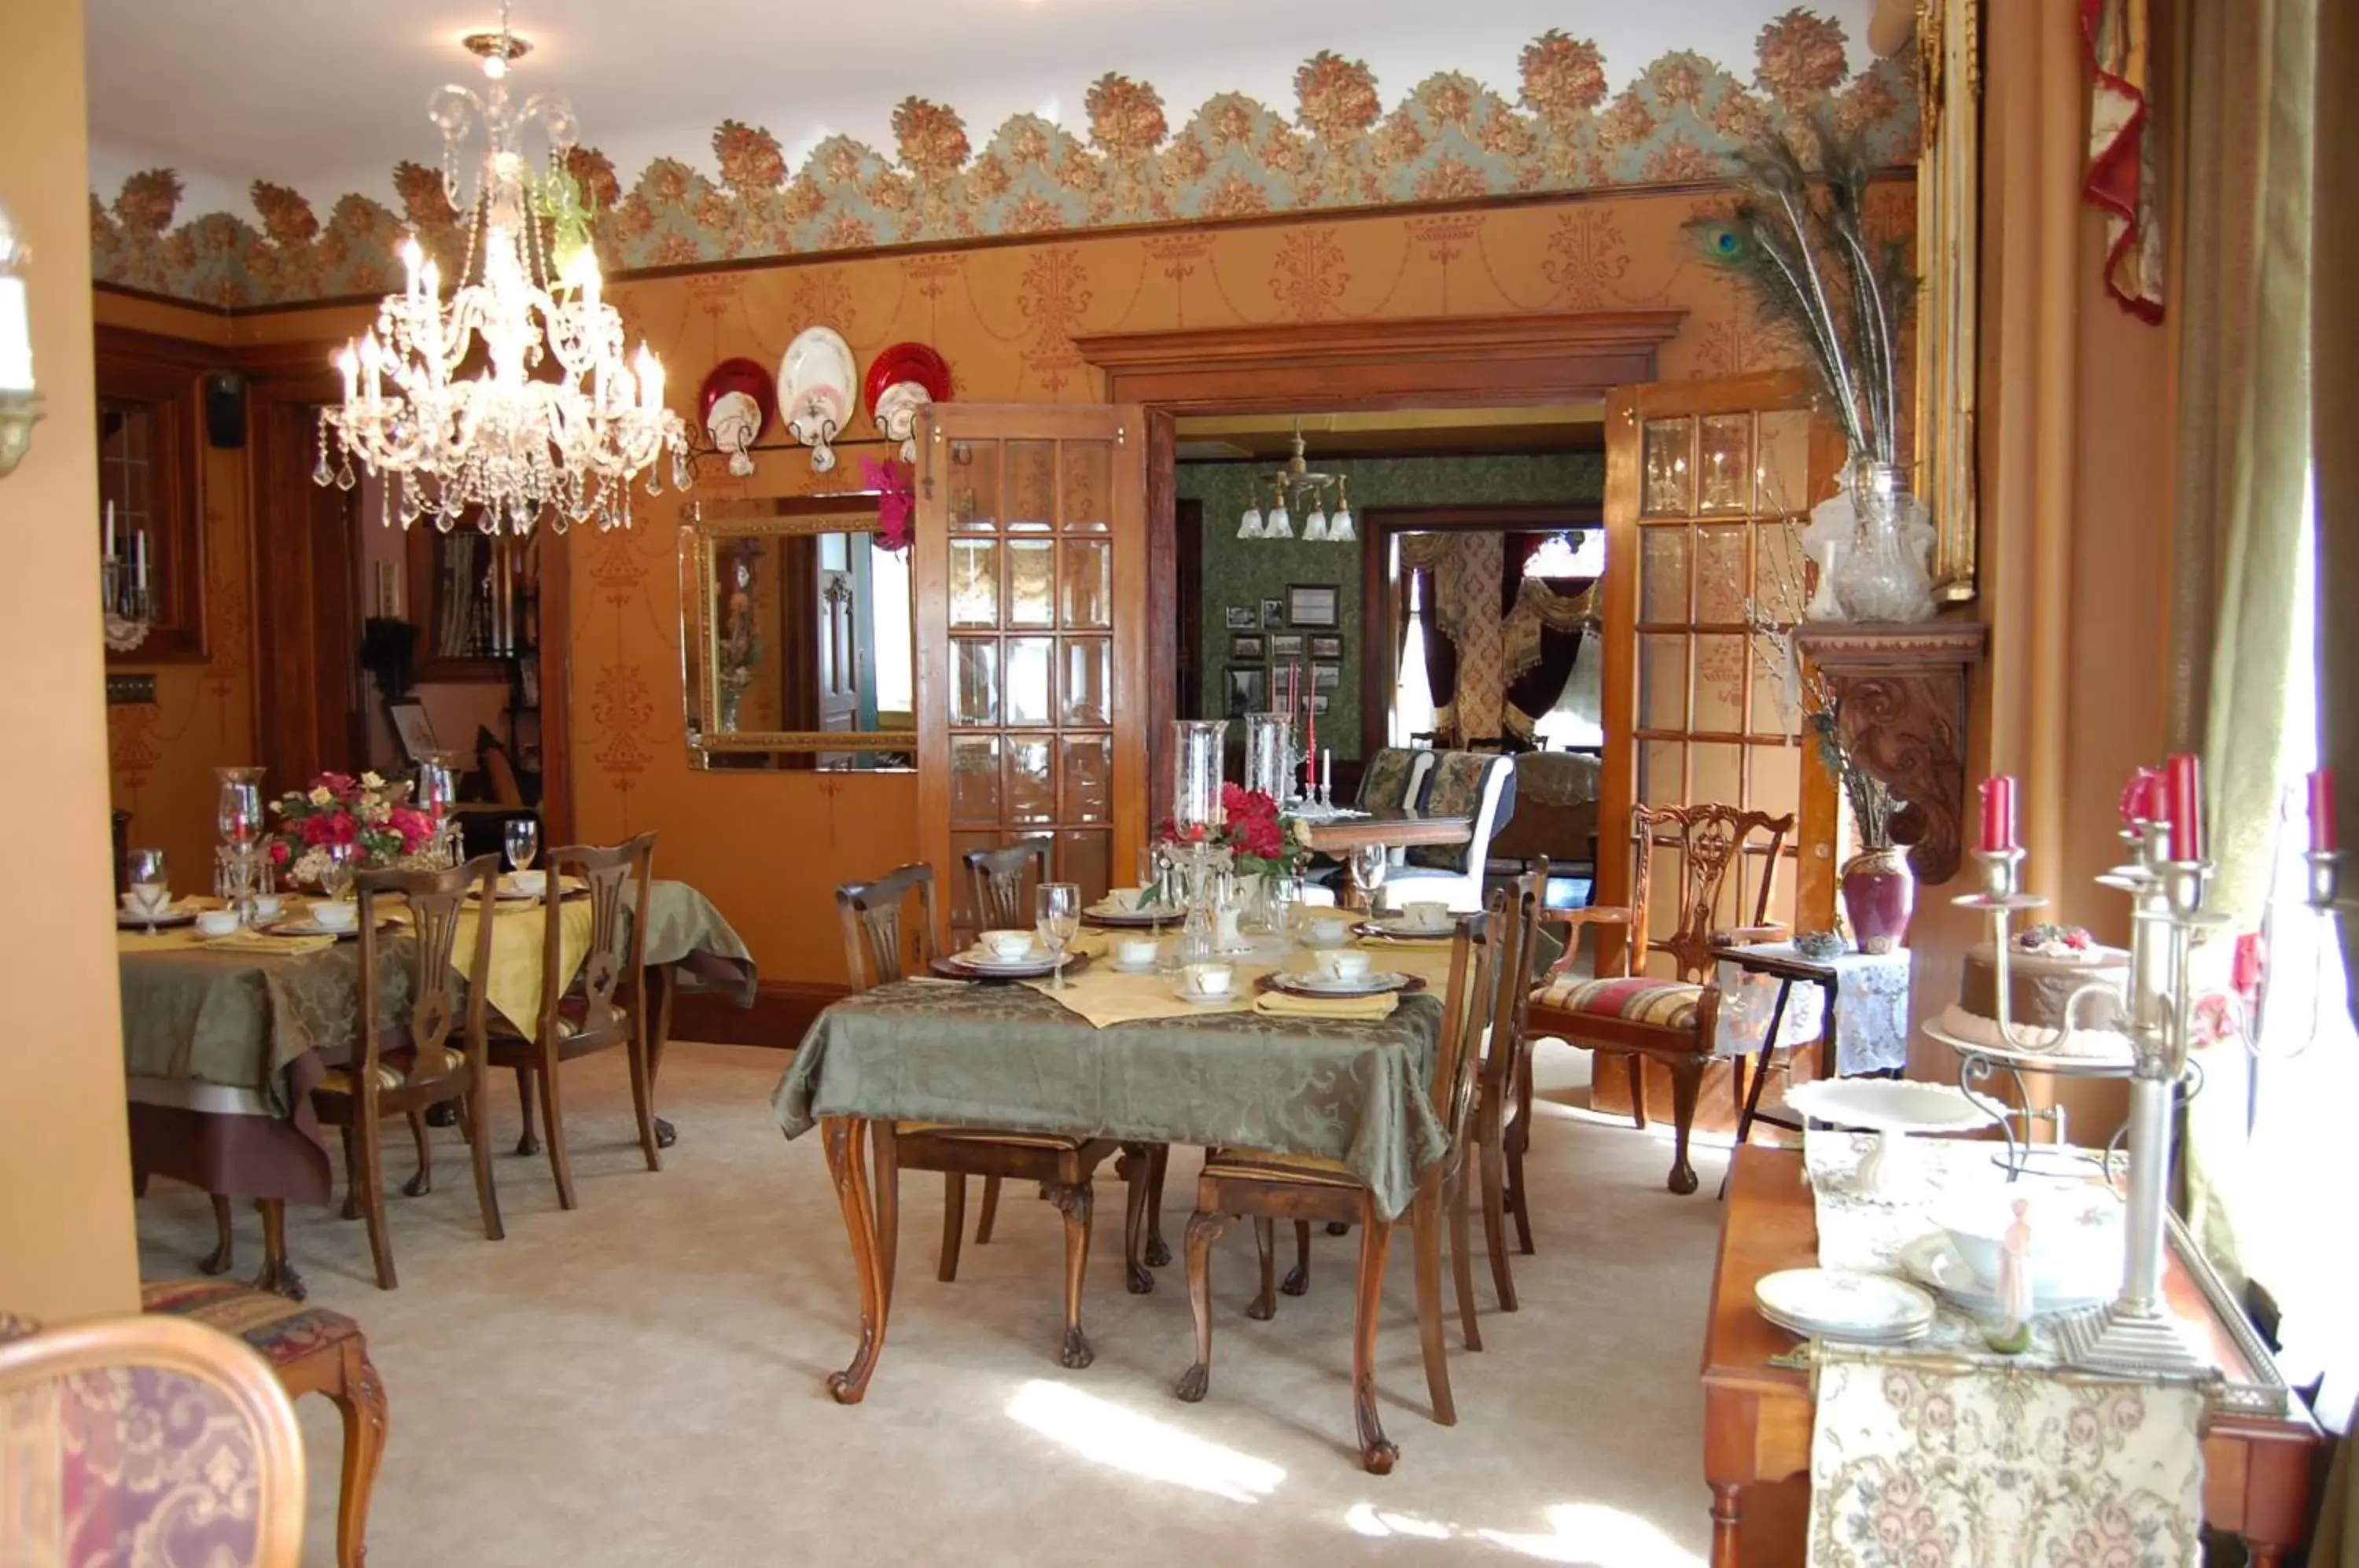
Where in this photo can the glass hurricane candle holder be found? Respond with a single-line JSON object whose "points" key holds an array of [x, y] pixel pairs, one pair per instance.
{"points": [[1197, 748], [1270, 754]]}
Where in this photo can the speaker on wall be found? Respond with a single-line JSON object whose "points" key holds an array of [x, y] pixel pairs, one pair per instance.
{"points": [[225, 409]]}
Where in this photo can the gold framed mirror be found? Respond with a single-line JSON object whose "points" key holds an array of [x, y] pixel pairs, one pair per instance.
{"points": [[798, 645], [1949, 241]]}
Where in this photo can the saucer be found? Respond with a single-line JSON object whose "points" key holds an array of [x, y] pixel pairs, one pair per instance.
{"points": [[313, 927], [1374, 983], [179, 912], [1205, 999]]}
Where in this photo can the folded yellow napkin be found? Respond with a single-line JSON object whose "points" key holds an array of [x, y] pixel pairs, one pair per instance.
{"points": [[1361, 1009], [248, 940]]}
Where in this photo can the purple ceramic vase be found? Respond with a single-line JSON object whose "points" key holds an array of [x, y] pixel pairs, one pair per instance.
{"points": [[1879, 894]]}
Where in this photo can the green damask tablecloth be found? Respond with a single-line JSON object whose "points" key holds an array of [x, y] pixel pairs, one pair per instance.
{"points": [[1009, 1056], [239, 1019]]}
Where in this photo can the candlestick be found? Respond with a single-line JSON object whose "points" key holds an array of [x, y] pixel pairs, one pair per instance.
{"points": [[139, 561], [2185, 792], [1327, 777], [1998, 812], [2323, 836], [109, 531]]}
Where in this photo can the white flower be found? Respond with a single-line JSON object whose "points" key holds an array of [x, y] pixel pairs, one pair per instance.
{"points": [[321, 795], [371, 781]]}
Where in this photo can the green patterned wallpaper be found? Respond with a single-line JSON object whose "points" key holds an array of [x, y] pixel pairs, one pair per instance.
{"points": [[1245, 571]]}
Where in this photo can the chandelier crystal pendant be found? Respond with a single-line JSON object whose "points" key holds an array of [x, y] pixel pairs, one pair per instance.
{"points": [[555, 418], [1297, 488]]}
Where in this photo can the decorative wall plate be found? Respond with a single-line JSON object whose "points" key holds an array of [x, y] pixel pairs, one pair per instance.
{"points": [[817, 381], [735, 405]]}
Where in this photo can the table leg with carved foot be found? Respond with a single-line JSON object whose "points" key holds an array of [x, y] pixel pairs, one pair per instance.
{"points": [[663, 983], [222, 1257], [1263, 1306], [840, 1138], [1297, 1279], [1135, 1167], [1158, 1251], [528, 1141], [1075, 1201], [278, 1276], [1377, 1453], [1203, 1229]]}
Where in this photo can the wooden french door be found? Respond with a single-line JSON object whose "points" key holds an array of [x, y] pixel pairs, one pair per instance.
{"points": [[1031, 566], [1708, 484]]}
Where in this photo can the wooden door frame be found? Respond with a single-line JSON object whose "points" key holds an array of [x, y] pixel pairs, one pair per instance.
{"points": [[1378, 525], [1504, 360]]}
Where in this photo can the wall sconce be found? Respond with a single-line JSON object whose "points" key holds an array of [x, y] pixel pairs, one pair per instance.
{"points": [[20, 400]]}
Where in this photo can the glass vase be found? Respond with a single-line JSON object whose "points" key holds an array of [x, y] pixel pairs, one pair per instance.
{"points": [[1269, 754], [1882, 573], [1197, 748]]}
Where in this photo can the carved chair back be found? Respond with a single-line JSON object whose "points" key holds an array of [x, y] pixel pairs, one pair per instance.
{"points": [[1469, 1004], [999, 873], [616, 963], [205, 1418], [880, 943], [426, 991], [1708, 842], [1511, 1010]]}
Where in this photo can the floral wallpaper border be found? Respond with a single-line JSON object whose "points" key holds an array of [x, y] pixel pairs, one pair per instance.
{"points": [[1452, 139]]}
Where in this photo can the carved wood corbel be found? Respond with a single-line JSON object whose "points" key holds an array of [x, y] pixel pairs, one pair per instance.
{"points": [[1902, 694]]}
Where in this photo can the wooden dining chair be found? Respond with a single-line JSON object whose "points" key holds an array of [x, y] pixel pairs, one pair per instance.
{"points": [[602, 1005], [1495, 1131], [1672, 1020], [1268, 1187], [999, 880], [400, 1066], [881, 944], [128, 1438]]}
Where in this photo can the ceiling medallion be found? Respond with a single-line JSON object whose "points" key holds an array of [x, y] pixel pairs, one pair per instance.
{"points": [[555, 419]]}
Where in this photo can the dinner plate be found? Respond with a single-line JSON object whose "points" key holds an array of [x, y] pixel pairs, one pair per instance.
{"points": [[1375, 983], [1844, 1303], [180, 912], [313, 927], [1934, 1261], [1398, 928], [960, 966], [1112, 915], [1888, 1105], [1803, 1330]]}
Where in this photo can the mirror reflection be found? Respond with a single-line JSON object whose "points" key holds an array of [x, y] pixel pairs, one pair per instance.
{"points": [[801, 653]]}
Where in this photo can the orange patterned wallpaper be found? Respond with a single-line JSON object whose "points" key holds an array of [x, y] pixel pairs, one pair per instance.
{"points": [[770, 847]]}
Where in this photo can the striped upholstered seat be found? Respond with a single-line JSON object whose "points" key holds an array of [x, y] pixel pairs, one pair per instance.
{"points": [[1668, 1004]]}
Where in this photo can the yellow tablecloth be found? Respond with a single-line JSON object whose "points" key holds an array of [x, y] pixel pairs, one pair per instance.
{"points": [[1105, 996]]}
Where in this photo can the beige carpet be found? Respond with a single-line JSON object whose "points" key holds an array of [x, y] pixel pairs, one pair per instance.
{"points": [[640, 1381]]}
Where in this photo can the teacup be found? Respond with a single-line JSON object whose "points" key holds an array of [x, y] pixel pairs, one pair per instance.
{"points": [[1344, 964], [334, 914], [1426, 914], [1208, 979], [1136, 952], [217, 922], [531, 884], [1007, 946], [1329, 930], [266, 907]]}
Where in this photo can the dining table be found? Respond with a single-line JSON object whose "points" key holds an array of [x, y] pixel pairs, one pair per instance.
{"points": [[1119, 1056], [224, 1039]]}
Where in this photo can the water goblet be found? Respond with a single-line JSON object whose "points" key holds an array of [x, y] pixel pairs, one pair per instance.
{"points": [[522, 838], [1058, 911], [1369, 863], [336, 876], [151, 886]]}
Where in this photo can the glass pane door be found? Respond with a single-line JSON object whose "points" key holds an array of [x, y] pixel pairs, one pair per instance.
{"points": [[1033, 713]]}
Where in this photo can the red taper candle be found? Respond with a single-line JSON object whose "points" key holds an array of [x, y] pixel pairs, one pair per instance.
{"points": [[2184, 773], [2323, 837], [1998, 812]]}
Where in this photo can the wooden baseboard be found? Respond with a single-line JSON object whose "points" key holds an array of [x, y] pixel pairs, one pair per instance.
{"points": [[781, 1014]]}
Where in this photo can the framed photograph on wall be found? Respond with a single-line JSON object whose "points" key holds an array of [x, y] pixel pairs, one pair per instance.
{"points": [[1326, 677], [1272, 612], [1242, 618], [1313, 604], [411, 727], [1319, 703], [1327, 647], [1286, 648], [1248, 690], [1244, 648]]}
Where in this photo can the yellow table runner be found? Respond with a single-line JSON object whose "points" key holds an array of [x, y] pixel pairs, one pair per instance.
{"points": [[514, 986], [1105, 996]]}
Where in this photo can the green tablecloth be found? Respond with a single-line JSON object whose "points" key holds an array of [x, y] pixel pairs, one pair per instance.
{"points": [[1009, 1056], [239, 1020]]}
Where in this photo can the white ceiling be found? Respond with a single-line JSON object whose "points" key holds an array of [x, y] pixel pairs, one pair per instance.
{"points": [[327, 95]]}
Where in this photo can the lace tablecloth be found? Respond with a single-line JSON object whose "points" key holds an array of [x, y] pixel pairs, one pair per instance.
{"points": [[1948, 1453], [1871, 1010]]}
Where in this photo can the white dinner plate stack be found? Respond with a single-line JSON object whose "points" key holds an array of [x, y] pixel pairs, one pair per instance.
{"points": [[1844, 1303]]}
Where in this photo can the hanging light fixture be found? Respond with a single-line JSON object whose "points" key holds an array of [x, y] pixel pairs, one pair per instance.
{"points": [[1295, 487], [513, 438]]}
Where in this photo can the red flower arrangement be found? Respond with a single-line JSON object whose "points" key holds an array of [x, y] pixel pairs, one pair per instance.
{"points": [[1253, 835], [368, 814]]}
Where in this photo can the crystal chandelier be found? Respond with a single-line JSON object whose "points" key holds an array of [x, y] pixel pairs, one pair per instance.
{"points": [[1297, 484], [553, 416]]}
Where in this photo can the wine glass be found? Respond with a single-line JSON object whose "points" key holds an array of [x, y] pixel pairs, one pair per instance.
{"points": [[1284, 892], [1059, 908], [336, 876], [1369, 863], [151, 886], [522, 837]]}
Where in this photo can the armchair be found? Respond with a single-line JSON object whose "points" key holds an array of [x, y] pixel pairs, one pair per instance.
{"points": [[1623, 1012]]}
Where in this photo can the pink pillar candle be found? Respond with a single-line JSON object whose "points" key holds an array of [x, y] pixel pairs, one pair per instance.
{"points": [[2184, 790], [2323, 836], [1998, 812]]}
